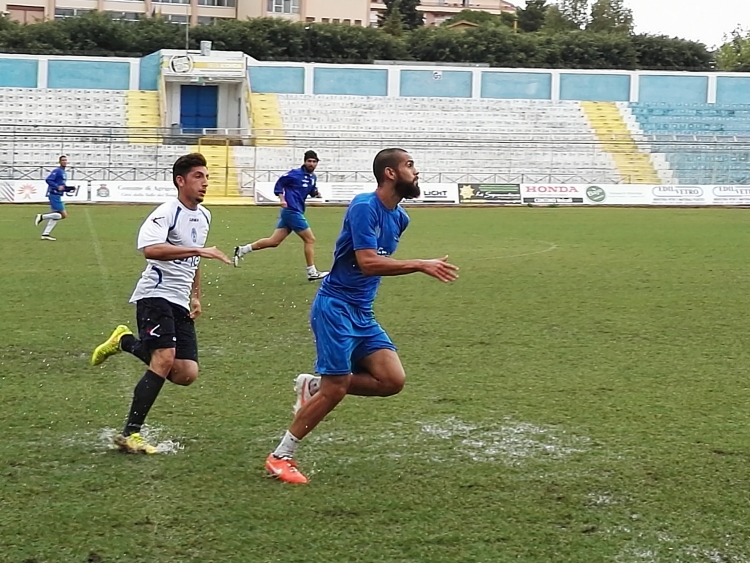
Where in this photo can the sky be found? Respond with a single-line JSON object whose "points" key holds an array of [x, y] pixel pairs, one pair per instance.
{"points": [[706, 21]]}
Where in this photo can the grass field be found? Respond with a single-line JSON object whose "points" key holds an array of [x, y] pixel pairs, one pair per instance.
{"points": [[579, 395]]}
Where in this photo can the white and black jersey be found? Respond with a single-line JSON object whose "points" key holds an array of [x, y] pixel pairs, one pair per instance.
{"points": [[172, 223]]}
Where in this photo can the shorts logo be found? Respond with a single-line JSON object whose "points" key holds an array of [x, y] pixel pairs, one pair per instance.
{"points": [[194, 235], [152, 331]]}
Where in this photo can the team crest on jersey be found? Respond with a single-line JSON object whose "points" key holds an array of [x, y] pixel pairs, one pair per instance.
{"points": [[194, 235]]}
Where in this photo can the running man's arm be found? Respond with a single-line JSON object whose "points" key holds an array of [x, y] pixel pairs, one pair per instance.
{"points": [[153, 242], [195, 299], [372, 264], [279, 188], [54, 181], [363, 223]]}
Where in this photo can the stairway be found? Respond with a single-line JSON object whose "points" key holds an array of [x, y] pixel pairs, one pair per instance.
{"points": [[143, 117], [634, 166], [223, 173], [268, 128]]}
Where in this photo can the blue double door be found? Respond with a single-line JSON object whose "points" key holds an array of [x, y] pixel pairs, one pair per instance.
{"points": [[198, 108]]}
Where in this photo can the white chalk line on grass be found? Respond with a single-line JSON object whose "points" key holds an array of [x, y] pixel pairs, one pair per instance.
{"points": [[107, 434], [550, 247]]}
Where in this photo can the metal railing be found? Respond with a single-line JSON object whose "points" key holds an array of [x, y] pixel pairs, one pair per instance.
{"points": [[107, 154]]}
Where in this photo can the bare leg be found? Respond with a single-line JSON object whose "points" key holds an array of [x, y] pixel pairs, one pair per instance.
{"points": [[383, 375], [308, 240], [278, 236], [332, 391]]}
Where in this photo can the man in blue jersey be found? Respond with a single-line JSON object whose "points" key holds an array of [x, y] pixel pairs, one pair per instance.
{"points": [[293, 188], [354, 354], [56, 188]]}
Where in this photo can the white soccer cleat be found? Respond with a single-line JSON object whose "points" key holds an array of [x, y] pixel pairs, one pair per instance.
{"points": [[317, 276], [302, 388], [37, 219], [237, 257], [47, 237]]}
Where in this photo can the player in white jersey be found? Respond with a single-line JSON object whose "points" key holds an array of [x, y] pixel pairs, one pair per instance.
{"points": [[167, 297]]}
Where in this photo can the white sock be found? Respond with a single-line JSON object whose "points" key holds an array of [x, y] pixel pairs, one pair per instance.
{"points": [[247, 248], [311, 270], [54, 215], [50, 225], [287, 446]]}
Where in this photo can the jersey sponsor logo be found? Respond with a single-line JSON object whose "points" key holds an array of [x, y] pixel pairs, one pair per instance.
{"points": [[190, 261], [194, 220]]}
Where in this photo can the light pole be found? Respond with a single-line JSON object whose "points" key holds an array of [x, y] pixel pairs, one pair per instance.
{"points": [[187, 27]]}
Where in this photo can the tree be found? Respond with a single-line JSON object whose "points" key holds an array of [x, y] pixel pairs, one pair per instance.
{"points": [[393, 24], [610, 16], [531, 18], [734, 55], [479, 17], [575, 11], [667, 53], [411, 17], [556, 22]]}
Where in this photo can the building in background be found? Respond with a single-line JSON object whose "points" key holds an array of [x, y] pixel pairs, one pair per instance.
{"points": [[347, 12], [437, 11]]}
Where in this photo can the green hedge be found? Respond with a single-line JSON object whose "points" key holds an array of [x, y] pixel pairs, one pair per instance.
{"points": [[276, 39]]}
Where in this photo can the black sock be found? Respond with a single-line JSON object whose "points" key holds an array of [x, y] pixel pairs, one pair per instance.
{"points": [[143, 399], [132, 345]]}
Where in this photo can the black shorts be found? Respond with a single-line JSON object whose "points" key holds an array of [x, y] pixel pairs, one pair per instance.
{"points": [[162, 324]]}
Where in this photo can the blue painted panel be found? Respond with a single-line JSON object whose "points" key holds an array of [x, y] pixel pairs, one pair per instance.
{"points": [[674, 89], [18, 73], [198, 107], [595, 87], [102, 75], [277, 79], [351, 81], [517, 85], [439, 83], [149, 72], [732, 90]]}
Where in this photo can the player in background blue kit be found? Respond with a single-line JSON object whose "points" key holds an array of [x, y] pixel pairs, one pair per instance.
{"points": [[56, 188], [354, 354], [293, 188]]}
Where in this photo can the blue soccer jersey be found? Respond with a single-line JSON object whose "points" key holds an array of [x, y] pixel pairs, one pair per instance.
{"points": [[368, 224], [296, 185], [56, 182]]}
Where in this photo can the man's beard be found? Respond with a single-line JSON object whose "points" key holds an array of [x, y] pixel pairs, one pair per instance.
{"points": [[407, 190]]}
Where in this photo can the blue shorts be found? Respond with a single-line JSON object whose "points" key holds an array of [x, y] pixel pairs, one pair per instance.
{"points": [[56, 203], [344, 335], [292, 220]]}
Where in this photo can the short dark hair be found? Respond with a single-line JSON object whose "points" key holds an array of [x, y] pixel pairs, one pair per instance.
{"points": [[387, 158], [61, 157], [185, 164], [311, 155]]}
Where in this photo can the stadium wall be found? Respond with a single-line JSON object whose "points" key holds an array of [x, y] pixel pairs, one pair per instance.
{"points": [[27, 71]]}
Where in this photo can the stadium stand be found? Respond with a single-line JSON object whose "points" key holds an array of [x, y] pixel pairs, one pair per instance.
{"points": [[703, 143], [111, 134], [513, 139]]}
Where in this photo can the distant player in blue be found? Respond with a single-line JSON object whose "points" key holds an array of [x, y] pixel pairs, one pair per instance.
{"points": [[354, 354], [293, 188], [56, 187]]}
